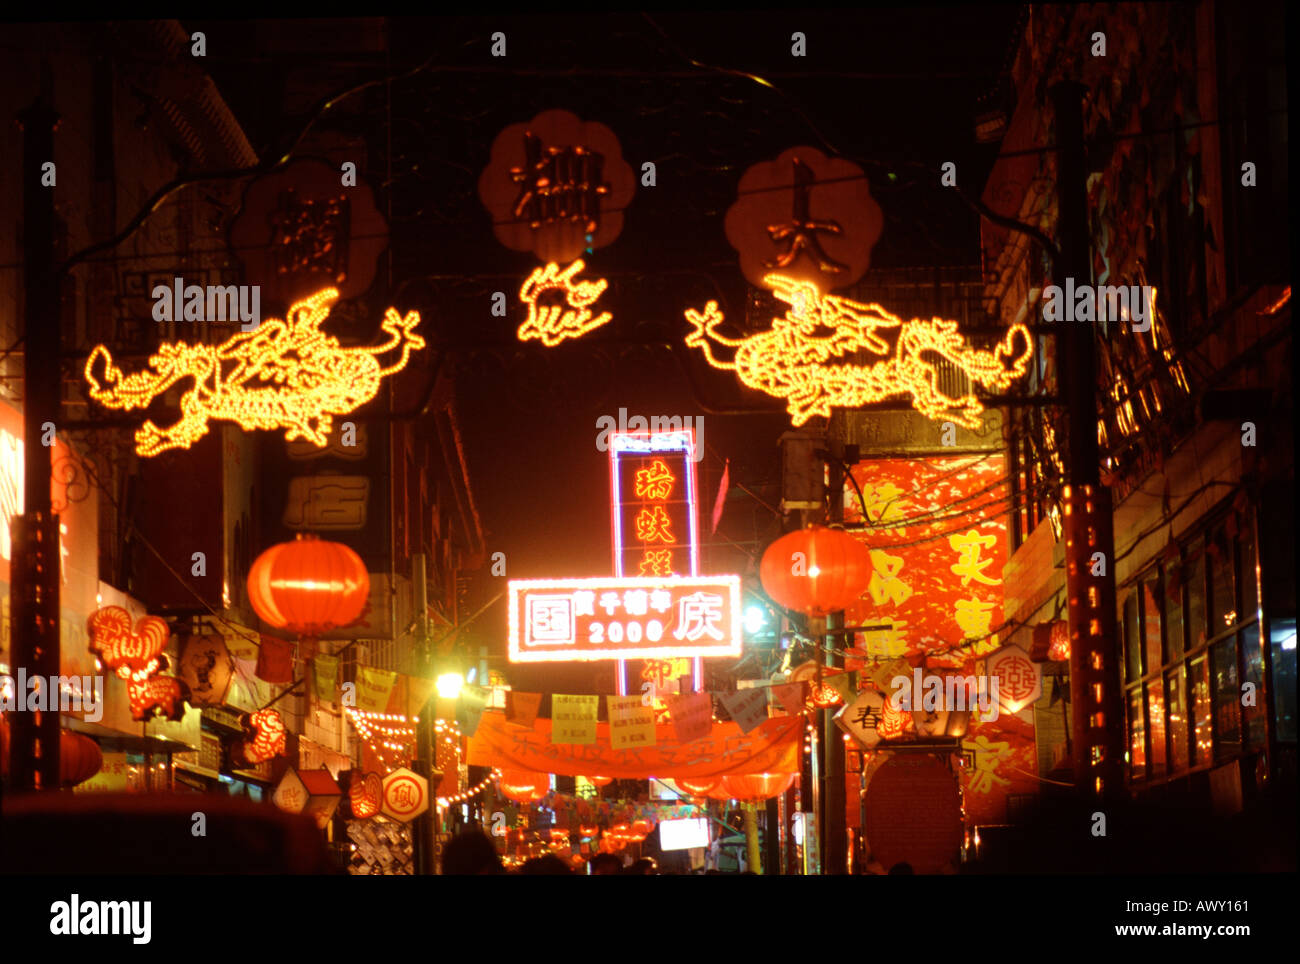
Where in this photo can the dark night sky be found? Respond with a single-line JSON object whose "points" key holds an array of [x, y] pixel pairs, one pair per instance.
{"points": [[889, 89]]}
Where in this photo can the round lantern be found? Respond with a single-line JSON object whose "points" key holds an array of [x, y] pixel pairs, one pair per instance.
{"points": [[697, 788], [79, 756], [642, 827], [309, 586], [600, 781], [816, 570], [758, 786], [524, 786]]}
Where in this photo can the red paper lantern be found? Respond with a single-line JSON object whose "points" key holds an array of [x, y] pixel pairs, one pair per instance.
{"points": [[309, 586], [758, 786], [697, 788], [79, 756], [816, 570], [524, 786], [601, 781]]}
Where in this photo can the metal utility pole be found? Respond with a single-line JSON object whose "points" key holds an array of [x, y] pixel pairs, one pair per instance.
{"points": [[1096, 714], [34, 593]]}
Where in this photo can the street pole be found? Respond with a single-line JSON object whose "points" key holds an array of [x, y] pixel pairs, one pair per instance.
{"points": [[34, 590], [426, 825], [1096, 715], [837, 847]]}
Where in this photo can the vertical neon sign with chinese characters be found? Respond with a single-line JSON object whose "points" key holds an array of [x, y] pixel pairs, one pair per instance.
{"points": [[652, 497]]}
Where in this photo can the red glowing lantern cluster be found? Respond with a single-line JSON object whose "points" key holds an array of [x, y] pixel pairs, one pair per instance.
{"points": [[308, 586], [816, 571]]}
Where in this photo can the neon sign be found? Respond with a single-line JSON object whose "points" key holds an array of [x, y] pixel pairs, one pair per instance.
{"points": [[794, 360], [573, 620], [282, 375], [553, 323], [652, 492]]}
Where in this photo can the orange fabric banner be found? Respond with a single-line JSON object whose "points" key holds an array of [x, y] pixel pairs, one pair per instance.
{"points": [[772, 747]]}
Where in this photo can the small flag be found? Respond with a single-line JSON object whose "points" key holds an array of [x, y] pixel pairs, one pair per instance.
{"points": [[373, 688], [573, 718], [692, 716], [325, 671], [522, 708], [748, 708], [722, 495], [631, 722], [275, 661], [469, 709]]}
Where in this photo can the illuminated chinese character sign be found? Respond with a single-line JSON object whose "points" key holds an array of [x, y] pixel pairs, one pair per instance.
{"points": [[556, 186], [938, 538], [653, 495], [806, 215], [300, 230], [566, 620]]}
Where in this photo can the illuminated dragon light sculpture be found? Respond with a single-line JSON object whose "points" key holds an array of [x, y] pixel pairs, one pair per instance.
{"points": [[281, 375], [573, 319], [807, 356]]}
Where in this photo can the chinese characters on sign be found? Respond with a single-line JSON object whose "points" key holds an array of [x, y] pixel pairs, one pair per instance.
{"points": [[629, 618], [652, 483], [556, 186], [807, 215]]}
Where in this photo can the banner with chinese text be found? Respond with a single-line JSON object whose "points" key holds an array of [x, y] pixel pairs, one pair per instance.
{"points": [[772, 747]]}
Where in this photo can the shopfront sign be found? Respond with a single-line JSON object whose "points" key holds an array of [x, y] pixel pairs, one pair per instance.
{"points": [[567, 620]]}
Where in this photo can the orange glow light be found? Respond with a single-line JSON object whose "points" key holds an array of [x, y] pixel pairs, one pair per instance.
{"points": [[281, 375], [554, 323], [795, 361]]}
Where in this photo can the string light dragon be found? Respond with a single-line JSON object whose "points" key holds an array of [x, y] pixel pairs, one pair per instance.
{"points": [[556, 322], [808, 356], [281, 375]]}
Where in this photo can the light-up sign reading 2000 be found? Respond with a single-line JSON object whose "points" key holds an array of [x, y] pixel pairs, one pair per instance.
{"points": [[555, 620]]}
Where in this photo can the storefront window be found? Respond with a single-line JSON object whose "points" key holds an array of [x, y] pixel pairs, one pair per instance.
{"points": [[1156, 715], [1132, 641], [1252, 664], [1223, 595], [1137, 742], [1176, 703], [1201, 706], [1151, 623], [1282, 652], [1194, 594], [1246, 569], [1174, 610], [1227, 698]]}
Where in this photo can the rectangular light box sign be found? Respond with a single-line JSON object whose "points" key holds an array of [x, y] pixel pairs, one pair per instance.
{"points": [[685, 834], [653, 498], [662, 617]]}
